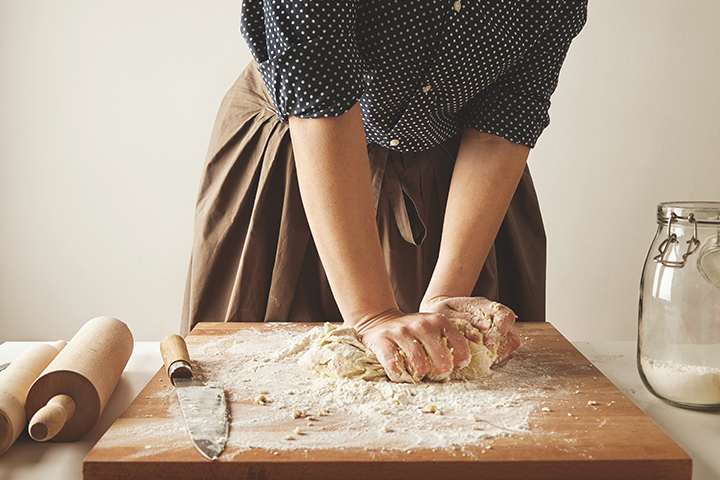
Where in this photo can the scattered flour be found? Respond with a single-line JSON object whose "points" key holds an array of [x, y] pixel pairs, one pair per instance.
{"points": [[303, 410]]}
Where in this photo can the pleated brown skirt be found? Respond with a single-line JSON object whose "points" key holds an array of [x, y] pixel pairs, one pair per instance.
{"points": [[254, 259]]}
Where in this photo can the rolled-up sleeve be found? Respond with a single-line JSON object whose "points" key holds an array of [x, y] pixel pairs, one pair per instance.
{"points": [[516, 106], [308, 55]]}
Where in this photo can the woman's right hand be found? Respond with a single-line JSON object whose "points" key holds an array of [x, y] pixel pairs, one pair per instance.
{"points": [[423, 344]]}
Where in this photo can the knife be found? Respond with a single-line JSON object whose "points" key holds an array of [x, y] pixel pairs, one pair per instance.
{"points": [[202, 403]]}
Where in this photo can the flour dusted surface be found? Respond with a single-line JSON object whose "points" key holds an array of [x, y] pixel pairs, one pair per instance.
{"points": [[304, 411], [342, 413]]}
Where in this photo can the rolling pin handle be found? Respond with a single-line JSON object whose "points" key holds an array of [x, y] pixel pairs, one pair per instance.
{"points": [[176, 357], [50, 419]]}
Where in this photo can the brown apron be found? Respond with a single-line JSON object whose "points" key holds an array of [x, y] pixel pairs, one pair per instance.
{"points": [[254, 258]]}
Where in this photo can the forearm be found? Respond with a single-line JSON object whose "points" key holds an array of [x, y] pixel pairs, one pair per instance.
{"points": [[485, 176], [335, 186]]}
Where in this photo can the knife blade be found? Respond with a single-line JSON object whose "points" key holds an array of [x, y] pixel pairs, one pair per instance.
{"points": [[202, 403]]}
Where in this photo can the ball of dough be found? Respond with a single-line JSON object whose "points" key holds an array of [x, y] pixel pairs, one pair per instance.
{"points": [[338, 352]]}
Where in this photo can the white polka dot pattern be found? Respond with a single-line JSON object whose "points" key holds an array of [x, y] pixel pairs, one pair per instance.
{"points": [[421, 71]]}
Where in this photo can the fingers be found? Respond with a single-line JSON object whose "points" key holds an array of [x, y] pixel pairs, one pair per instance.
{"points": [[492, 319], [398, 351], [387, 354], [507, 347], [503, 319], [450, 313], [457, 344], [419, 344], [469, 331], [441, 359], [485, 315], [414, 350], [412, 347]]}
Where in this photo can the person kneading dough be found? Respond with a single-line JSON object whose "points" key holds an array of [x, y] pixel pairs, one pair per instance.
{"points": [[370, 167]]}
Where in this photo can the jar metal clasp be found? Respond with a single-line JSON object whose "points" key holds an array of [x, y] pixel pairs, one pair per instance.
{"points": [[665, 246]]}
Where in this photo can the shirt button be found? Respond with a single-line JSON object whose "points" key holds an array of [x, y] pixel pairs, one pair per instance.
{"points": [[457, 5], [394, 142], [427, 88]]}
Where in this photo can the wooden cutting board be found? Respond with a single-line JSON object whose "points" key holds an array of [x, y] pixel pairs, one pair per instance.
{"points": [[577, 423]]}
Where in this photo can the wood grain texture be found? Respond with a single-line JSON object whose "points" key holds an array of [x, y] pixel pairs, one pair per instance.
{"points": [[611, 439]]}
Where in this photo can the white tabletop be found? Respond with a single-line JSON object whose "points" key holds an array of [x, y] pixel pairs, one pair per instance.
{"points": [[698, 433]]}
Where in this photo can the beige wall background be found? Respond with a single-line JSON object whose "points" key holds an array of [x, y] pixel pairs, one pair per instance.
{"points": [[106, 109]]}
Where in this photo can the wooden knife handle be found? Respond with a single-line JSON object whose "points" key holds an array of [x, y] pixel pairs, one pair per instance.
{"points": [[176, 357]]}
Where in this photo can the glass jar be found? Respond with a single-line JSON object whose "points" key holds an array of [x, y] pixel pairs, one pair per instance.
{"points": [[679, 314]]}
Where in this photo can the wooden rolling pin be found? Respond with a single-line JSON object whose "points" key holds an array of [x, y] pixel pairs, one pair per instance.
{"points": [[15, 382], [66, 401]]}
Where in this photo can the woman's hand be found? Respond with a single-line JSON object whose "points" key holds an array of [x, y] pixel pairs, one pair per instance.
{"points": [[423, 344], [493, 319]]}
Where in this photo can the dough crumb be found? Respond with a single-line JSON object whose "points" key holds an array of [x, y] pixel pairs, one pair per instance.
{"points": [[429, 409], [261, 399], [299, 414], [401, 398]]}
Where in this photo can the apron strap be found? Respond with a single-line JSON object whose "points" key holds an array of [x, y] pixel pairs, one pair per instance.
{"points": [[403, 195]]}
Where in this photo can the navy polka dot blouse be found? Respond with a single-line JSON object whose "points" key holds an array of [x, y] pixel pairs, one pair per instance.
{"points": [[420, 70]]}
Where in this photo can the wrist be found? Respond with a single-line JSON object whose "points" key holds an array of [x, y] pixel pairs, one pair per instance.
{"points": [[427, 303], [363, 323]]}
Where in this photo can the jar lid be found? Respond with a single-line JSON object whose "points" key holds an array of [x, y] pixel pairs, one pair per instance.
{"points": [[707, 213]]}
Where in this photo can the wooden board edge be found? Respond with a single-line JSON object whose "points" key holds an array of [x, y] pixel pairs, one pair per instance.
{"points": [[639, 469]]}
